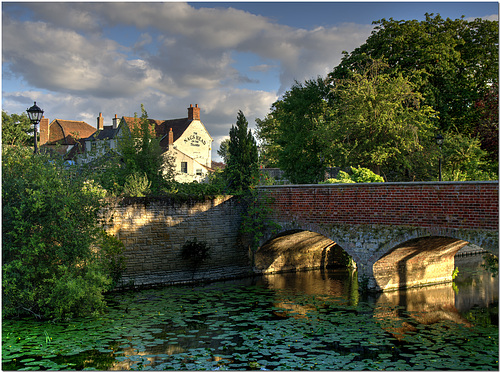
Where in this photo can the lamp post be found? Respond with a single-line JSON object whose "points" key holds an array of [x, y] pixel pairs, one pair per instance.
{"points": [[439, 140], [35, 114]]}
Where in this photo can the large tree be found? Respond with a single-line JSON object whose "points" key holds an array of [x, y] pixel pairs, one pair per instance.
{"points": [[241, 170], [379, 122], [290, 131], [452, 63]]}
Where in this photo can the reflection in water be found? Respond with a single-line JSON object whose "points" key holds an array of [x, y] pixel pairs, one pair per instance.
{"points": [[477, 287], [426, 305], [400, 310]]}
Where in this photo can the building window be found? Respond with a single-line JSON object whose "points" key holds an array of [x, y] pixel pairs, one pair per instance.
{"points": [[198, 172], [184, 167]]}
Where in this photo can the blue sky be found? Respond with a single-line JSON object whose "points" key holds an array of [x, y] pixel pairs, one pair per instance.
{"points": [[79, 59]]}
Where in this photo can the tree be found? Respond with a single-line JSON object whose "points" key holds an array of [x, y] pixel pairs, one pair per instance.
{"points": [[241, 171], [142, 155], [268, 135], [463, 159], [451, 63], [56, 259], [378, 121], [290, 131], [223, 150], [16, 129], [486, 129]]}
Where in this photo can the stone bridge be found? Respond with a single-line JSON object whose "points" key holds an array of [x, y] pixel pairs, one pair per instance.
{"points": [[398, 234]]}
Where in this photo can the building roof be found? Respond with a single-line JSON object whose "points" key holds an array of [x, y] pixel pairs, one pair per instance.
{"points": [[76, 150], [108, 132], [67, 132], [162, 127]]}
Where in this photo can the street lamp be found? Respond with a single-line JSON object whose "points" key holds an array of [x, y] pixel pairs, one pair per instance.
{"points": [[439, 140], [35, 114]]}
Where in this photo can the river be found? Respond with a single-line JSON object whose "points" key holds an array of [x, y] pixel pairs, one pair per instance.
{"points": [[313, 320]]}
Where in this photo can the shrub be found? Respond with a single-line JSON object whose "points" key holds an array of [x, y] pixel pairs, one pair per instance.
{"points": [[358, 175], [137, 185], [51, 223]]}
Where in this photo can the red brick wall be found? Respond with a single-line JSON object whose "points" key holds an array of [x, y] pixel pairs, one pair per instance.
{"points": [[462, 205]]}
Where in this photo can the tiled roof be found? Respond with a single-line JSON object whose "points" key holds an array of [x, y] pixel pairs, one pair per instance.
{"points": [[162, 127], [67, 132]]}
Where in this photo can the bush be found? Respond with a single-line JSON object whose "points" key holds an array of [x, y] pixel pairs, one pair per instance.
{"points": [[51, 224], [358, 175], [137, 185]]}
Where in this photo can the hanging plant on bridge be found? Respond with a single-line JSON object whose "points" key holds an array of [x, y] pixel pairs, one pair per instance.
{"points": [[256, 216]]}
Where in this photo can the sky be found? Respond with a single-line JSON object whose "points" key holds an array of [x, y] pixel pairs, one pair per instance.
{"points": [[77, 60]]}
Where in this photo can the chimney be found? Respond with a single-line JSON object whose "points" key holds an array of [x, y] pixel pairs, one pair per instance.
{"points": [[193, 112], [116, 121], [171, 137], [100, 122], [44, 130]]}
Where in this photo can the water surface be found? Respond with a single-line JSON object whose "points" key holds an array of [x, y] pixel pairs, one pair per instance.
{"points": [[314, 320]]}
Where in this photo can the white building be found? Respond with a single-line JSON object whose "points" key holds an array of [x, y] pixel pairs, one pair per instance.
{"points": [[186, 140]]}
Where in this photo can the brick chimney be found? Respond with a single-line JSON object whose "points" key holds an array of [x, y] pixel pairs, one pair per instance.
{"points": [[100, 122], [171, 137], [44, 130], [116, 121], [193, 112]]}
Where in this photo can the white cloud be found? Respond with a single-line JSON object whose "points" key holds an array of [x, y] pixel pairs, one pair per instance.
{"points": [[173, 55]]}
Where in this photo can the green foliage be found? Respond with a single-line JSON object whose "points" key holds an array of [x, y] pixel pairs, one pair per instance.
{"points": [[223, 150], [141, 154], [256, 216], [441, 59], [378, 120], [215, 186], [486, 128], [242, 159], [51, 225], [440, 55], [464, 160], [343, 177], [491, 264], [17, 130], [291, 132], [358, 175], [109, 251], [136, 185]]}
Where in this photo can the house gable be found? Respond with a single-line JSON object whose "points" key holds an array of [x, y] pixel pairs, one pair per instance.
{"points": [[68, 132]]}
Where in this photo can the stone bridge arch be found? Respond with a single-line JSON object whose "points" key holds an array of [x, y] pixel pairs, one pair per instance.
{"points": [[387, 257], [296, 247]]}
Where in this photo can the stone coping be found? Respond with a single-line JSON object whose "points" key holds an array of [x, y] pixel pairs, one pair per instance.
{"points": [[443, 183]]}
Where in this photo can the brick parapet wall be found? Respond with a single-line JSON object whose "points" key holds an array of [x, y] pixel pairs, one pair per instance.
{"points": [[457, 205], [154, 230]]}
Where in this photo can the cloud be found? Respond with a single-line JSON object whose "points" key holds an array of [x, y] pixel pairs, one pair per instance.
{"points": [[84, 58]]}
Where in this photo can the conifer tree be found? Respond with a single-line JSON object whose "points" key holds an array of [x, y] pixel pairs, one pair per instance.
{"points": [[241, 170]]}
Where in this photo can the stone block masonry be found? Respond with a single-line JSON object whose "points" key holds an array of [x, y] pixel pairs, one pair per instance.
{"points": [[154, 229]]}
